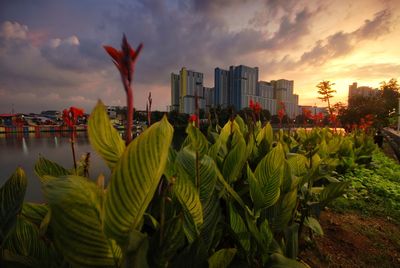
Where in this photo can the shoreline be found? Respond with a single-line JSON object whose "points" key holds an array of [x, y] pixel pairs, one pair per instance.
{"points": [[39, 128]]}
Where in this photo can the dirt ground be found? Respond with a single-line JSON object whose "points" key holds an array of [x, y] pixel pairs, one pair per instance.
{"points": [[352, 240]]}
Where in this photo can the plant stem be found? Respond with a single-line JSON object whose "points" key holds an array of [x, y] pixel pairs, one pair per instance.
{"points": [[73, 146], [162, 212], [197, 170], [129, 100]]}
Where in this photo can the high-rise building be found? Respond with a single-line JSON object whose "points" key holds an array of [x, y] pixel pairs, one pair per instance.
{"points": [[175, 81], [209, 97], [242, 85], [234, 87], [265, 96], [363, 91], [221, 86], [283, 92], [184, 89]]}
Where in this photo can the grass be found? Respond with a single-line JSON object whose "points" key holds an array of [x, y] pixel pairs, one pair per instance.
{"points": [[375, 189]]}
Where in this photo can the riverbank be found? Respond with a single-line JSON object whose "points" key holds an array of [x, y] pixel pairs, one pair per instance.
{"points": [[39, 128]]}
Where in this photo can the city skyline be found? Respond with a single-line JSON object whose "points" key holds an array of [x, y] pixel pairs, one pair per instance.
{"points": [[51, 54]]}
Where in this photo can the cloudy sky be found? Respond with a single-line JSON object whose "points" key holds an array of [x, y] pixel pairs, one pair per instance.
{"points": [[51, 54]]}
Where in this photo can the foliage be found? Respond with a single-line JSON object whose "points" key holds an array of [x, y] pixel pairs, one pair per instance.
{"points": [[383, 105], [326, 92], [241, 196], [374, 189]]}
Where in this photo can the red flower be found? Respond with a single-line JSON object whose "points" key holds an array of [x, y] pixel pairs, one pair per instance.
{"points": [[251, 104], [124, 59], [332, 118], [281, 114], [193, 118], [70, 116], [257, 108], [307, 113]]}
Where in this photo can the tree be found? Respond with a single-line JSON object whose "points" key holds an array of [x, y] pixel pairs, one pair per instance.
{"points": [[390, 95], [326, 92]]}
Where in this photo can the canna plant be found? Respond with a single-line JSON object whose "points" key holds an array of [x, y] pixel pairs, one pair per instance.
{"points": [[70, 117], [239, 197]]}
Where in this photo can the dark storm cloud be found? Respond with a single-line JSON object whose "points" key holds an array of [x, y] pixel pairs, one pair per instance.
{"points": [[341, 43], [193, 37], [87, 55], [60, 48], [374, 71], [215, 5], [291, 31]]}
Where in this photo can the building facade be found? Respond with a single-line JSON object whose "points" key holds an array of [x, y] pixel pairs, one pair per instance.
{"points": [[185, 86], [283, 92], [234, 87], [355, 90], [221, 86]]}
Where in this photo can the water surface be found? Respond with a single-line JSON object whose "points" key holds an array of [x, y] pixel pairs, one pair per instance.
{"points": [[23, 150]]}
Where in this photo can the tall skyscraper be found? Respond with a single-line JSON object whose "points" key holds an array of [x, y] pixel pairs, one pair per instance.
{"points": [[175, 81], [184, 88], [234, 87], [266, 96], [243, 85], [221, 86], [283, 90]]}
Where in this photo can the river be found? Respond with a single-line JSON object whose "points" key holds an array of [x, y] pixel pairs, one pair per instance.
{"points": [[23, 150]]}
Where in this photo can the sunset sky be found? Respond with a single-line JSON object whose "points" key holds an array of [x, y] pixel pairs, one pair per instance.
{"points": [[51, 54]]}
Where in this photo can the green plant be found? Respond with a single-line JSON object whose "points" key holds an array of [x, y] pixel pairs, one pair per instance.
{"points": [[239, 197]]}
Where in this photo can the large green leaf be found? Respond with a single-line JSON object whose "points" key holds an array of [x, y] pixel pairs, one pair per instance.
{"points": [[34, 212], [45, 168], [104, 138], [169, 170], [230, 190], [298, 164], [207, 171], [242, 125], [314, 225], [229, 128], [77, 221], [198, 142], [256, 193], [281, 213], [208, 178], [332, 191], [135, 180], [292, 240], [222, 258], [137, 250], [188, 197], [264, 139], [12, 195], [235, 159], [164, 248], [239, 228], [269, 174], [24, 241], [211, 217]]}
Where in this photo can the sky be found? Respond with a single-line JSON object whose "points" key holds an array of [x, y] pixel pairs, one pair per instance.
{"points": [[51, 54]]}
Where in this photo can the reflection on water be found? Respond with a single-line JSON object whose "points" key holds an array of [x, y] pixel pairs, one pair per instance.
{"points": [[24, 146], [23, 149]]}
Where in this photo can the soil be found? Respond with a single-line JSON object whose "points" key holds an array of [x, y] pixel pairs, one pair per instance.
{"points": [[353, 240]]}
